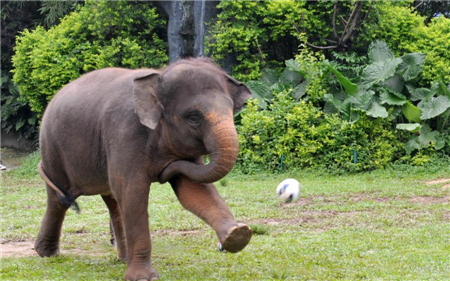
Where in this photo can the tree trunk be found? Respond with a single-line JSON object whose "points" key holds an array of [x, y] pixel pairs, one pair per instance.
{"points": [[186, 27]]}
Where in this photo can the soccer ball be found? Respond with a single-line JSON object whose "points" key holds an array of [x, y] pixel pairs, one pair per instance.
{"points": [[288, 190]]}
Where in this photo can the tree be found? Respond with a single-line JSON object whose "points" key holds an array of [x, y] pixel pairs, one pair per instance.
{"points": [[431, 9]]}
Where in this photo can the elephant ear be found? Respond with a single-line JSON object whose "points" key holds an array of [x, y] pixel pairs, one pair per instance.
{"points": [[146, 103], [238, 92]]}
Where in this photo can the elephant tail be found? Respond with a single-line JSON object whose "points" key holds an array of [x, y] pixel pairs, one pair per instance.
{"points": [[65, 198]]}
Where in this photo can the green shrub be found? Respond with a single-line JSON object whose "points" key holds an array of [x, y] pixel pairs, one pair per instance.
{"points": [[303, 136], [258, 33], [16, 114], [434, 40], [100, 34], [406, 32]]}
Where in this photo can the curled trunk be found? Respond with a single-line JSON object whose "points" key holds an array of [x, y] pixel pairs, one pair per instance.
{"points": [[222, 144]]}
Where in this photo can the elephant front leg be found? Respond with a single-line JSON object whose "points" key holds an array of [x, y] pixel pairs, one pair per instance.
{"points": [[133, 207], [116, 227], [205, 202]]}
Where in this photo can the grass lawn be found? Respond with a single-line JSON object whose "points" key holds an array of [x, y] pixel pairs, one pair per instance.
{"points": [[384, 225]]}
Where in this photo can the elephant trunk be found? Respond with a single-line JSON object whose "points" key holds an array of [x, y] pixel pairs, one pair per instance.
{"points": [[223, 146]]}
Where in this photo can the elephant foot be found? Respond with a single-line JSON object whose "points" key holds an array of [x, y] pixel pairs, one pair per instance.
{"points": [[237, 238], [46, 249], [134, 273]]}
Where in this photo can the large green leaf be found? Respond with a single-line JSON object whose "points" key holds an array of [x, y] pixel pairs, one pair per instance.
{"points": [[392, 98], [269, 76], [299, 90], [412, 127], [363, 99], [20, 123], [412, 144], [411, 112], [380, 51], [427, 135], [377, 110], [293, 65], [433, 106], [350, 88], [419, 94], [259, 88], [290, 78], [440, 89], [394, 83], [379, 71], [331, 100], [440, 142], [262, 102], [350, 113], [411, 65]]}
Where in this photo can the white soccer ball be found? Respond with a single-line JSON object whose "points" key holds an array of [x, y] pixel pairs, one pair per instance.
{"points": [[288, 190]]}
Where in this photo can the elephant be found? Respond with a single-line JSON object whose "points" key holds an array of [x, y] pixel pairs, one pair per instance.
{"points": [[114, 131]]}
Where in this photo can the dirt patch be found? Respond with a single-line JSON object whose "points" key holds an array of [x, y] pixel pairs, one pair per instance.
{"points": [[17, 249], [429, 199], [446, 186], [163, 232], [369, 197], [306, 217], [438, 181]]}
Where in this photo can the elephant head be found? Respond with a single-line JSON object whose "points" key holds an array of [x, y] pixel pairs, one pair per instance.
{"points": [[193, 102]]}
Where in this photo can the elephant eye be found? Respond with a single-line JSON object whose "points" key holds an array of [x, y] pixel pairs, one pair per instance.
{"points": [[195, 118]]}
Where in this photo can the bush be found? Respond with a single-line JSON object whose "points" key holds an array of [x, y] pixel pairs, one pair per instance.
{"points": [[406, 32], [100, 34], [303, 136], [257, 33]]}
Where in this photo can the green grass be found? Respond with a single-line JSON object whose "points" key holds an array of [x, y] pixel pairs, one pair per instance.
{"points": [[383, 225]]}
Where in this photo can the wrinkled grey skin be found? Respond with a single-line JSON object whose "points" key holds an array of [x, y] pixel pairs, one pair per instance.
{"points": [[114, 131]]}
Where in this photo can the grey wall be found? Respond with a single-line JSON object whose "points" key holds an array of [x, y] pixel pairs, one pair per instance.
{"points": [[10, 140]]}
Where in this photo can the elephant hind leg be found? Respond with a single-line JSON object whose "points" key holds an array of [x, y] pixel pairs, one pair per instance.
{"points": [[47, 242], [116, 226]]}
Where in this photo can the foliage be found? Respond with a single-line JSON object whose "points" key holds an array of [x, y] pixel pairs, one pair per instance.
{"points": [[55, 10], [432, 9], [304, 78], [303, 136], [271, 82], [434, 40], [16, 114], [387, 88], [256, 34], [406, 32], [98, 35]]}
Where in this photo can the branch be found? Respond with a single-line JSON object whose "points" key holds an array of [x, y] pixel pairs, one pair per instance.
{"points": [[260, 53], [353, 21], [321, 47], [296, 27], [335, 11], [368, 11], [420, 4]]}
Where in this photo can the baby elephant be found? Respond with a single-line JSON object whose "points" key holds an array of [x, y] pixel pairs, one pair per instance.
{"points": [[115, 131]]}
